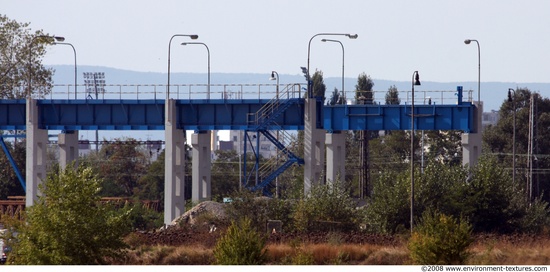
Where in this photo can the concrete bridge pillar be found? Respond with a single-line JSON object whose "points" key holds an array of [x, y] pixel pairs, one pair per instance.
{"points": [[174, 165], [37, 145], [202, 163], [471, 142], [68, 148], [314, 147], [336, 156]]}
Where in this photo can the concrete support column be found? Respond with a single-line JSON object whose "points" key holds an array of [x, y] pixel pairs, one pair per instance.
{"points": [[336, 156], [68, 148], [37, 145], [471, 142], [202, 163], [314, 147], [174, 166]]}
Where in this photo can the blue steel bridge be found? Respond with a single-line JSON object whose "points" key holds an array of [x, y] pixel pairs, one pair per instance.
{"points": [[256, 108]]}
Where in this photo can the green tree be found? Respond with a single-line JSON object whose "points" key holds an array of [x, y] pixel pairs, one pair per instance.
{"points": [[225, 173], [336, 99], [19, 61], [363, 89], [388, 207], [330, 202], [392, 96], [67, 225], [490, 200], [443, 146], [123, 164], [318, 87], [498, 139], [150, 186]]}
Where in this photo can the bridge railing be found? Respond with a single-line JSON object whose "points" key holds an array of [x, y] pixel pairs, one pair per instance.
{"points": [[420, 97], [159, 91], [230, 91]]}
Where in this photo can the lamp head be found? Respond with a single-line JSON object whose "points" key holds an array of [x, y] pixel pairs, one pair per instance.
{"points": [[272, 76], [417, 79], [324, 40], [194, 37], [59, 39], [354, 36], [468, 41]]}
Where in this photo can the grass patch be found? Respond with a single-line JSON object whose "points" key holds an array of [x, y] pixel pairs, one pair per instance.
{"points": [[484, 251]]}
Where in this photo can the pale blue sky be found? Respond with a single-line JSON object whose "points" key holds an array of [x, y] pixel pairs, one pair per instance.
{"points": [[395, 37], [255, 36]]}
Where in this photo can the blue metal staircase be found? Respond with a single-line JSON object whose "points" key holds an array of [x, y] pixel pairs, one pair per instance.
{"points": [[267, 118]]}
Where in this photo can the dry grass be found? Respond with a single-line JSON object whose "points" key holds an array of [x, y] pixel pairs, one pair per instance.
{"points": [[526, 251], [519, 251], [348, 254], [168, 255]]}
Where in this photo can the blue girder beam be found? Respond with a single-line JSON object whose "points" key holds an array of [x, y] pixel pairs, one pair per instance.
{"points": [[232, 114], [144, 114], [12, 114], [398, 117], [229, 115]]}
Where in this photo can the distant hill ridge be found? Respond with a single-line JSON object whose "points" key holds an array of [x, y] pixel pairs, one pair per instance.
{"points": [[492, 93]]}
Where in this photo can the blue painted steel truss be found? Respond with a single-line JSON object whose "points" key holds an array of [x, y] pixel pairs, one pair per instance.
{"points": [[258, 115]]}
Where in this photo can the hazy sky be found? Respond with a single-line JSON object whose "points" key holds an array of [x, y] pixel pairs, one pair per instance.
{"points": [[254, 36]]}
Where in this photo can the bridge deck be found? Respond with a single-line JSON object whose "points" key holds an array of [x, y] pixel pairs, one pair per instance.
{"points": [[228, 114]]}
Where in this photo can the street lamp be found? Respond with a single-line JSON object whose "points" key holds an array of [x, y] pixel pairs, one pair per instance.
{"points": [[56, 38], [208, 51], [329, 40], [415, 82], [275, 76], [513, 100], [74, 50], [468, 41], [193, 37], [351, 36]]}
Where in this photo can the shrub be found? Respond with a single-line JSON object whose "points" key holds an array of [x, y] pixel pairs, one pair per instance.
{"points": [[536, 217], [67, 226], [330, 203], [440, 239], [240, 245]]}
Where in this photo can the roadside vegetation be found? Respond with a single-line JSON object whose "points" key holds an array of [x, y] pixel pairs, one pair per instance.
{"points": [[480, 214]]}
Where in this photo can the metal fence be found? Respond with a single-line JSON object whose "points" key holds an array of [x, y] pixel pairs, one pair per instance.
{"points": [[233, 91]]}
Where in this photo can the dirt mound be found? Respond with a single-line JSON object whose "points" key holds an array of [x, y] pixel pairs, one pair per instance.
{"points": [[180, 235], [206, 208]]}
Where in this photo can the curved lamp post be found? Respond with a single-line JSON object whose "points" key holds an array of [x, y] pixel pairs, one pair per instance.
{"points": [[55, 38], [351, 36], [329, 40], [512, 98], [415, 82], [75, 73], [275, 76], [193, 37], [468, 41], [208, 51]]}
